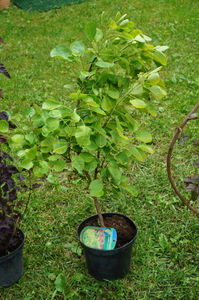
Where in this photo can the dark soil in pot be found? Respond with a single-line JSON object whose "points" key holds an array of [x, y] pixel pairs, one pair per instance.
{"points": [[11, 265], [125, 231], [14, 243]]}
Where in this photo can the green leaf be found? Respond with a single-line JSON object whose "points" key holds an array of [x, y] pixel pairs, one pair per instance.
{"points": [[92, 146], [89, 119], [91, 166], [46, 149], [147, 38], [120, 129], [115, 172], [77, 48], [139, 38], [154, 78], [28, 112], [61, 51], [87, 157], [31, 153], [132, 123], [51, 104], [104, 173], [161, 48], [37, 121], [90, 30], [59, 165], [107, 104], [137, 103], [98, 35], [123, 158], [113, 93], [21, 153], [85, 74], [143, 136], [98, 110], [104, 64], [38, 171], [131, 190], [17, 138], [48, 142], [96, 188], [55, 114], [52, 124], [137, 153], [100, 140], [43, 166], [151, 110], [98, 128], [91, 102], [53, 157], [60, 147], [160, 57], [4, 126], [82, 135], [117, 140], [61, 283], [75, 117], [31, 138], [69, 86], [157, 92], [26, 164], [51, 178], [137, 89], [77, 163], [146, 148]]}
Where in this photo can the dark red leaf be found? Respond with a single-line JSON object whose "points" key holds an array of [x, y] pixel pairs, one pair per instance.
{"points": [[4, 116], [4, 71], [1, 40]]}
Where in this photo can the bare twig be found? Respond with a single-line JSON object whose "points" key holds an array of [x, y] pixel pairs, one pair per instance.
{"points": [[179, 130]]}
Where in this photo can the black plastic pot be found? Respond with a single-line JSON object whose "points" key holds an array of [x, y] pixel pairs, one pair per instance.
{"points": [[108, 264], [11, 266]]}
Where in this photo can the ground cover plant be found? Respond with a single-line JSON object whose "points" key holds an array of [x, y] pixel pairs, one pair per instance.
{"points": [[166, 248]]}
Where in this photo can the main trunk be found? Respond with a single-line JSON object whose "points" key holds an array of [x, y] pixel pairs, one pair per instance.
{"points": [[99, 212]]}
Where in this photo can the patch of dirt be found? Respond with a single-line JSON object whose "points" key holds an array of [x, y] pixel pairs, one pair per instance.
{"points": [[125, 231]]}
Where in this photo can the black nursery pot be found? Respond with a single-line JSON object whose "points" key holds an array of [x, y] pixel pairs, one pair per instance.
{"points": [[11, 266], [108, 264]]}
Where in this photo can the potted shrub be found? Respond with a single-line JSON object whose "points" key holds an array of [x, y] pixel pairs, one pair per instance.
{"points": [[12, 207], [11, 183], [11, 238], [101, 131]]}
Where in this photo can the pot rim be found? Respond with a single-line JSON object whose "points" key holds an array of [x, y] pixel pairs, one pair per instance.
{"points": [[11, 254], [113, 250]]}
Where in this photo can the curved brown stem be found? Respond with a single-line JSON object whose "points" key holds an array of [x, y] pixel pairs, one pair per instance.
{"points": [[179, 130]]}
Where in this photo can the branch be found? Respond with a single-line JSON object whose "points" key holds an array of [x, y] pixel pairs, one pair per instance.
{"points": [[96, 170], [88, 176], [179, 130]]}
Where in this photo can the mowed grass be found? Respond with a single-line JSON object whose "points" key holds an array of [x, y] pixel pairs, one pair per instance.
{"points": [[165, 255]]}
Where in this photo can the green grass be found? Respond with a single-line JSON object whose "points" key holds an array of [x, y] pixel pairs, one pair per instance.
{"points": [[165, 254]]}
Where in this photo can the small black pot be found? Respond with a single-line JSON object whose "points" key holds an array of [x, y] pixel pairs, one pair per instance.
{"points": [[11, 266], [108, 264]]}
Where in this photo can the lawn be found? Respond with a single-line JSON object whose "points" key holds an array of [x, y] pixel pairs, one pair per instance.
{"points": [[165, 255]]}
